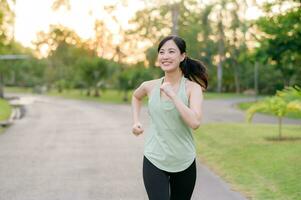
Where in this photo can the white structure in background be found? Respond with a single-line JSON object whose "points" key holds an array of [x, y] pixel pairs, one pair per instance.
{"points": [[9, 57]]}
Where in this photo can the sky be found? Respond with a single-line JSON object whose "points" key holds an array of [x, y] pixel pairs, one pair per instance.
{"points": [[33, 16]]}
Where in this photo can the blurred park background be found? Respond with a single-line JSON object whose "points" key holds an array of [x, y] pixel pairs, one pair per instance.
{"points": [[102, 50], [247, 45]]}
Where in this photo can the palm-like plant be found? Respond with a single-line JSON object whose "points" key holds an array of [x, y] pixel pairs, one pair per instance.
{"points": [[287, 100], [290, 93]]}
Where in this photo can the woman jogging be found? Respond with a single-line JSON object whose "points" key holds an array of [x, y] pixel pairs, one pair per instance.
{"points": [[175, 107]]}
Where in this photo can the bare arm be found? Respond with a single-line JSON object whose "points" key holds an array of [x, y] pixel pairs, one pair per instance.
{"points": [[191, 115], [137, 97]]}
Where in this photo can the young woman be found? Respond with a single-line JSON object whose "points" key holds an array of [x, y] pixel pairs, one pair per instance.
{"points": [[175, 107]]}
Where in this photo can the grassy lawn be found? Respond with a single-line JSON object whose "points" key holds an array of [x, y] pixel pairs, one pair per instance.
{"points": [[110, 95], [115, 96], [18, 89], [107, 96], [5, 110], [214, 95], [246, 105], [245, 156]]}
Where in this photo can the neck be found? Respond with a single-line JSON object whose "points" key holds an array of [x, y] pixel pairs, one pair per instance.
{"points": [[173, 77]]}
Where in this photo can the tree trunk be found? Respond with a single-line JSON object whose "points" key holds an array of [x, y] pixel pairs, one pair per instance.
{"points": [[235, 56], [219, 76], [221, 50], [175, 18], [96, 93], [60, 89], [1, 86], [125, 97], [236, 77], [280, 127], [88, 92], [256, 80]]}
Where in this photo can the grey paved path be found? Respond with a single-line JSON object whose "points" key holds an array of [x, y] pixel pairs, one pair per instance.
{"points": [[73, 150], [217, 110]]}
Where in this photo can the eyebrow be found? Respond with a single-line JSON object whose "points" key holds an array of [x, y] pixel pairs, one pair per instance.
{"points": [[169, 49]]}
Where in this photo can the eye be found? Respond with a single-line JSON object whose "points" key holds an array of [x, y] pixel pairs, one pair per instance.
{"points": [[171, 51], [161, 52]]}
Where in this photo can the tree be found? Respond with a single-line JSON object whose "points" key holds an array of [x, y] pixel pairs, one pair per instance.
{"points": [[281, 42], [6, 32], [156, 21], [94, 72], [288, 100], [7, 17], [64, 48], [130, 78], [57, 34]]}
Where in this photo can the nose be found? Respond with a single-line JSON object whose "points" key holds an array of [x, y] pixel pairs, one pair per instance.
{"points": [[165, 56]]}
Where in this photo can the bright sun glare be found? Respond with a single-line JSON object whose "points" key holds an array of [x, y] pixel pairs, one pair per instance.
{"points": [[33, 16]]}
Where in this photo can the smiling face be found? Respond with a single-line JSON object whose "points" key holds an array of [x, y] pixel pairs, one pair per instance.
{"points": [[169, 56]]}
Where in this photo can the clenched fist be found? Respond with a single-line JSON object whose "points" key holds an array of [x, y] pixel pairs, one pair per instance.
{"points": [[167, 89], [137, 129]]}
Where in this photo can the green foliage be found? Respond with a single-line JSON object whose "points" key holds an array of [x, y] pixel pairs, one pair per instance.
{"points": [[6, 23], [287, 100], [151, 56], [206, 27], [26, 73], [5, 110], [60, 85], [94, 72], [284, 101], [290, 93], [281, 44], [151, 24], [57, 36], [131, 78]]}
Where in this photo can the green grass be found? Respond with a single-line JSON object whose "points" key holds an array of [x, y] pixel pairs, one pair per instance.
{"points": [[242, 154], [112, 96], [214, 95], [5, 110], [107, 96], [246, 105], [115, 96], [18, 89]]}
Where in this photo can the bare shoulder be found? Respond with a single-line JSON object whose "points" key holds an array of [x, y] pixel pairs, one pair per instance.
{"points": [[149, 85], [190, 85], [193, 87]]}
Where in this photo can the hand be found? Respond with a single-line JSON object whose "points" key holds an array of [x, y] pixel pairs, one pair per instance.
{"points": [[167, 89], [137, 129]]}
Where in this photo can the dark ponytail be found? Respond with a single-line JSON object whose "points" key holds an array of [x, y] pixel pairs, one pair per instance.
{"points": [[195, 71], [192, 69]]}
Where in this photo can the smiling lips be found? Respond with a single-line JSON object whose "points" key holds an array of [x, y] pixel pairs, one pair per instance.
{"points": [[166, 62]]}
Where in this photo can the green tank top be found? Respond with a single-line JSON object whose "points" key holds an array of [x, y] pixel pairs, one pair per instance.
{"points": [[169, 143]]}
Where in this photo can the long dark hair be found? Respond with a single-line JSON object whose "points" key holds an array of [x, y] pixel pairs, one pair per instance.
{"points": [[192, 69]]}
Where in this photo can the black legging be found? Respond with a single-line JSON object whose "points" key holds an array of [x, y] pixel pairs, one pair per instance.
{"points": [[162, 185]]}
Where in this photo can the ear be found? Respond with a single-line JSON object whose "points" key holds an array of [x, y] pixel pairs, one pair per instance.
{"points": [[183, 56]]}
